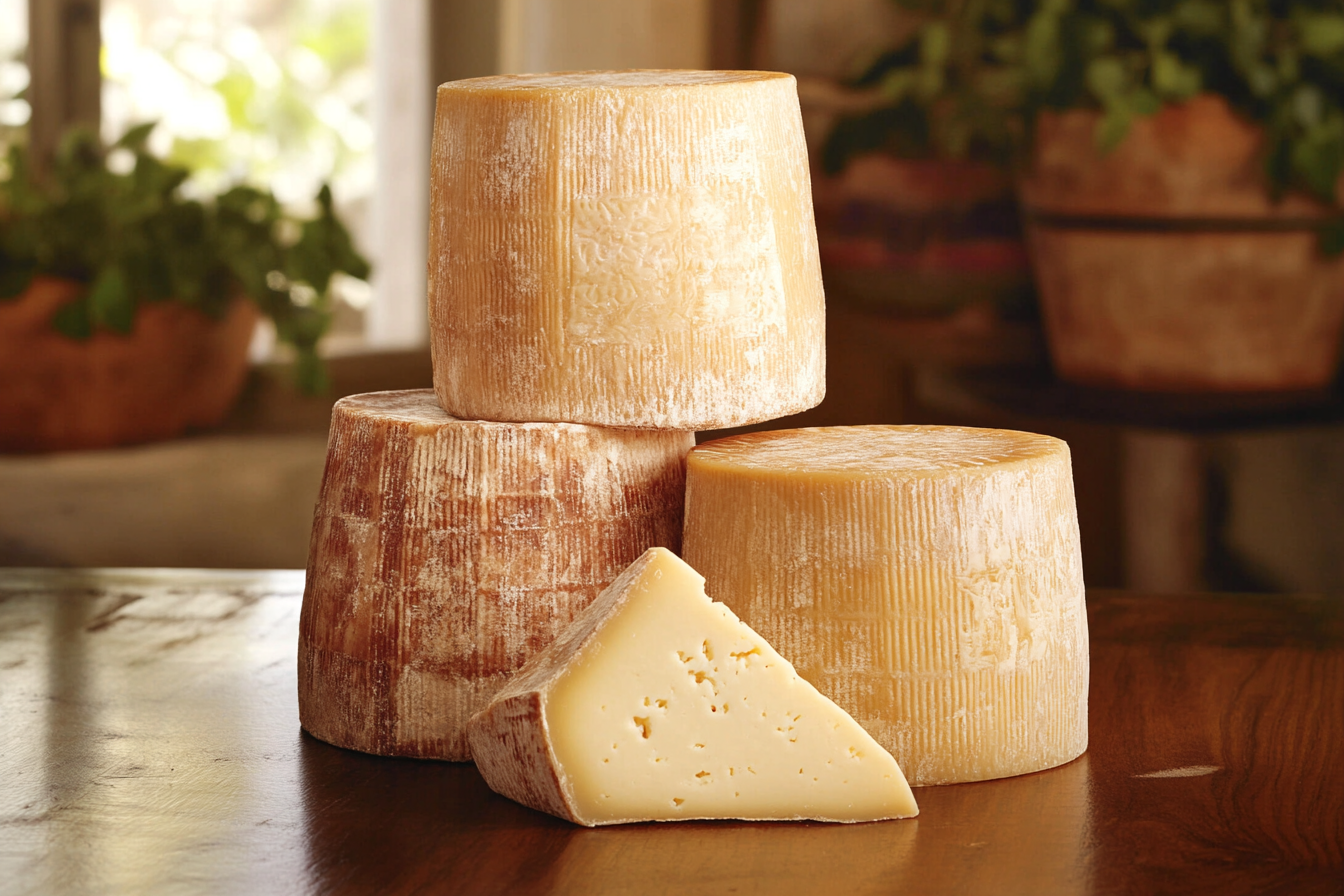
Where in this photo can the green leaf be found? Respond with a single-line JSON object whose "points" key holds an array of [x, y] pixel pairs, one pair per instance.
{"points": [[1199, 17], [1288, 67], [1113, 127], [1318, 156], [1006, 47], [72, 319], [1321, 34], [1174, 79], [928, 83], [136, 137], [310, 374], [935, 43], [1142, 101], [1041, 51], [1095, 35], [1308, 105], [1262, 79], [1107, 77], [1156, 32], [110, 303], [897, 84]]}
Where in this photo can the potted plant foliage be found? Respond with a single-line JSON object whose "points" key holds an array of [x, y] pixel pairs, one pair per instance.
{"points": [[916, 213], [127, 308], [1180, 171]]}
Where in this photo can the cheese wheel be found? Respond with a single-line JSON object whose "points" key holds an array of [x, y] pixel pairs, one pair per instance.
{"points": [[446, 552], [928, 579], [624, 249], [658, 704]]}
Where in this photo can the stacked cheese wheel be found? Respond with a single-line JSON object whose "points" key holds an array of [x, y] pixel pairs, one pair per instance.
{"points": [[616, 260]]}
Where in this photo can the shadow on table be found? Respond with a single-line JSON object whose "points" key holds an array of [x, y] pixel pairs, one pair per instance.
{"points": [[399, 826]]}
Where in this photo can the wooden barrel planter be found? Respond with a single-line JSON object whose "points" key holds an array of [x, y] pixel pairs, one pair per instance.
{"points": [[1164, 265], [178, 369]]}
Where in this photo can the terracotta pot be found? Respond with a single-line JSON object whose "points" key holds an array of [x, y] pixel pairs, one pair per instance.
{"points": [[1165, 265], [176, 370], [920, 237]]}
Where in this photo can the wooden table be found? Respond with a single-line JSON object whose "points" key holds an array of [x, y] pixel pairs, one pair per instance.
{"points": [[149, 742]]}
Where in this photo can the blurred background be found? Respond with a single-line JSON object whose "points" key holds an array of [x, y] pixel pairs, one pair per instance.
{"points": [[943, 306]]}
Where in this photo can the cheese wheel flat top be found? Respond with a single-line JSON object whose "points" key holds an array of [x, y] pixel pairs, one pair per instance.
{"points": [[873, 451], [419, 406], [604, 80], [412, 406], [631, 248]]}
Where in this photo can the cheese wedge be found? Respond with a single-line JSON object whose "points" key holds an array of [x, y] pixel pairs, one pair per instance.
{"points": [[658, 704], [446, 552], [928, 579], [624, 249]]}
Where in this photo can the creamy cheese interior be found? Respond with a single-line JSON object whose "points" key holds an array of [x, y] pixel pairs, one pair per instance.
{"points": [[676, 709]]}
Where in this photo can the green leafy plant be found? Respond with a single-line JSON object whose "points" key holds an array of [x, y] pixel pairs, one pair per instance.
{"points": [[116, 220], [975, 74]]}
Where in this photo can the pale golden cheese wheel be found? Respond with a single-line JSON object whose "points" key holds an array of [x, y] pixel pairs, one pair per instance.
{"points": [[624, 249], [446, 552], [928, 579]]}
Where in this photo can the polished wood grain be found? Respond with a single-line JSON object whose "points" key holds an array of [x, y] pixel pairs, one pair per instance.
{"points": [[149, 743]]}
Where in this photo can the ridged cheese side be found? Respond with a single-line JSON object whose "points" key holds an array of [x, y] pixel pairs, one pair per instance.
{"points": [[927, 579], [624, 249], [446, 552]]}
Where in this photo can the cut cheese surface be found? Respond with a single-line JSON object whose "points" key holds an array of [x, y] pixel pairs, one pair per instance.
{"points": [[928, 579], [625, 249], [446, 552], [660, 704]]}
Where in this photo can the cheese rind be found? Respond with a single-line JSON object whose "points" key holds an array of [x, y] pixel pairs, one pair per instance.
{"points": [[446, 552], [658, 704], [927, 579], [624, 249]]}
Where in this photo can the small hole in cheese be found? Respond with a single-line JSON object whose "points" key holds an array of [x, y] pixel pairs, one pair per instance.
{"points": [[677, 801], [642, 723]]}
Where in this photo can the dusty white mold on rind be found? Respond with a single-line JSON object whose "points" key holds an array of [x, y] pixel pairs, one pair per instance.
{"points": [[446, 552], [624, 249], [658, 704], [928, 579]]}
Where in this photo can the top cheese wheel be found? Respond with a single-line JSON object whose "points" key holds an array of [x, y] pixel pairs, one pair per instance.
{"points": [[624, 249], [928, 579]]}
